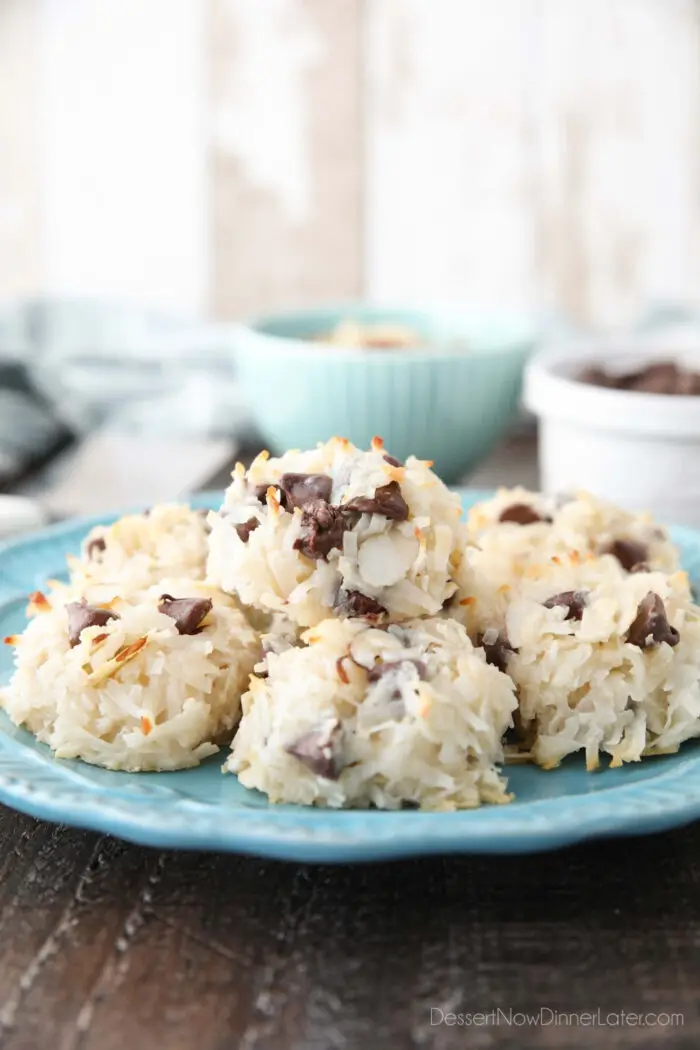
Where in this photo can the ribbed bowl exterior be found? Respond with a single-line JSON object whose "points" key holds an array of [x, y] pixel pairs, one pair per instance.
{"points": [[449, 408]]}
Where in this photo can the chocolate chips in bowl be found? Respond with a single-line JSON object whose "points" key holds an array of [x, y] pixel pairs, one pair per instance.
{"points": [[659, 377]]}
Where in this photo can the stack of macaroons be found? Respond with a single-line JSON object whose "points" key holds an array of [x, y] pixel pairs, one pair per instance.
{"points": [[585, 608], [382, 701], [375, 649]]}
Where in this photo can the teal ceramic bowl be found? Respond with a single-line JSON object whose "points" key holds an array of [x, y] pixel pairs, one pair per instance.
{"points": [[448, 400]]}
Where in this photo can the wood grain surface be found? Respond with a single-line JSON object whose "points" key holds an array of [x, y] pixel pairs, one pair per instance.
{"points": [[107, 945]]}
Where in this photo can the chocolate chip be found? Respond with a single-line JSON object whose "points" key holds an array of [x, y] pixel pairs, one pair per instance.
{"points": [[573, 601], [260, 492], [521, 514], [496, 650], [392, 461], [187, 613], [353, 603], [387, 500], [387, 666], [299, 489], [650, 626], [244, 530], [95, 547], [661, 377], [596, 376], [82, 615], [318, 749], [629, 553], [326, 524]]}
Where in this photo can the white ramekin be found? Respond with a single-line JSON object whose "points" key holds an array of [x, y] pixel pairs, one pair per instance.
{"points": [[640, 450]]}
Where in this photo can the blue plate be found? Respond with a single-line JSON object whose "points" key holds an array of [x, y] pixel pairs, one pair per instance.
{"points": [[201, 809]]}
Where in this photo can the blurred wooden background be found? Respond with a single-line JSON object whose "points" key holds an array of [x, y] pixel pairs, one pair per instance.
{"points": [[231, 156]]}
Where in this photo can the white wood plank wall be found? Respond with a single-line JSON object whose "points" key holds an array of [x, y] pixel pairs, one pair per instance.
{"points": [[232, 156]]}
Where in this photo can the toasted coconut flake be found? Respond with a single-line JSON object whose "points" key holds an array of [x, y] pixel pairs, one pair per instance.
{"points": [[272, 501], [146, 725], [468, 601], [556, 560], [575, 557], [377, 443], [122, 656], [98, 639], [11, 639], [342, 673], [127, 652], [39, 602]]}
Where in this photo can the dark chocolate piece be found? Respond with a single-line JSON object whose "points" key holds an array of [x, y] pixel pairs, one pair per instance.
{"points": [[497, 651], [660, 377], [245, 528], [95, 547], [650, 626], [319, 749], [573, 601], [521, 514], [326, 524], [300, 489], [392, 461], [629, 553], [260, 492], [354, 603], [187, 613], [387, 500], [81, 615]]}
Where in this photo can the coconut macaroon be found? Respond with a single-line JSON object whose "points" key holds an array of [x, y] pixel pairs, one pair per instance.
{"points": [[410, 715], [519, 535], [149, 684], [337, 531], [139, 550], [603, 660]]}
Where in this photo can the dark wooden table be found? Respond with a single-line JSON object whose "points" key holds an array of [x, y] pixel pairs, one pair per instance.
{"points": [[108, 946]]}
